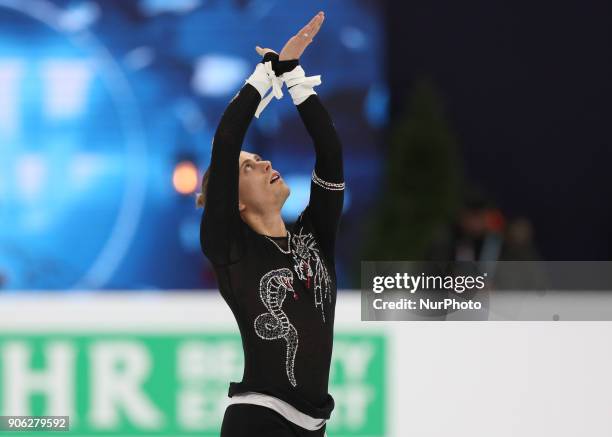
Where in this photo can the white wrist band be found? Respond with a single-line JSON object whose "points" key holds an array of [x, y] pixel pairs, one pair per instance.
{"points": [[262, 79], [300, 86]]}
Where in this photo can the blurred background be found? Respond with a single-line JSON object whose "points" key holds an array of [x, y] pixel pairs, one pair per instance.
{"points": [[108, 113], [469, 133]]}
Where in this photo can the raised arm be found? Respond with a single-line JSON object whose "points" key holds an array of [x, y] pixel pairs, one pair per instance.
{"points": [[220, 228], [327, 181], [327, 185]]}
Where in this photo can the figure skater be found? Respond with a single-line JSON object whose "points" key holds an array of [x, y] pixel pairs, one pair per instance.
{"points": [[280, 283]]}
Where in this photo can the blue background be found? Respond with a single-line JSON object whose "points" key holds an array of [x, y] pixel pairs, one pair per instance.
{"points": [[99, 101]]}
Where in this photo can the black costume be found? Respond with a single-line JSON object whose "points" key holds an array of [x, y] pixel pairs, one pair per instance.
{"points": [[281, 290]]}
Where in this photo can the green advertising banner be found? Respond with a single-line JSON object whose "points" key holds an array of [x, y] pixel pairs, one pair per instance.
{"points": [[167, 384]]}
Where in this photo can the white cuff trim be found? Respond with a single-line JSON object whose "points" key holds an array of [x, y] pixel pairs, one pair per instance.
{"points": [[327, 185], [300, 87], [262, 79]]}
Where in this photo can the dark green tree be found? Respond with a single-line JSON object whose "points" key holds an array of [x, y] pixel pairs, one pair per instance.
{"points": [[422, 182]]}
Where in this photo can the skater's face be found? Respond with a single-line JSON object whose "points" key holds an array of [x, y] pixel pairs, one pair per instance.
{"points": [[261, 188]]}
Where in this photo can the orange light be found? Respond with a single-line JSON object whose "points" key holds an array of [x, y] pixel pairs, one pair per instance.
{"points": [[185, 177]]}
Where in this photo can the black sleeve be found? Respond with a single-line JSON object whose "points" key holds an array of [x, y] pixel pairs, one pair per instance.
{"points": [[220, 235], [327, 184]]}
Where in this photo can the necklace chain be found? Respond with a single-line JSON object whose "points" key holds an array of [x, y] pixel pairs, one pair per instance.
{"points": [[288, 251]]}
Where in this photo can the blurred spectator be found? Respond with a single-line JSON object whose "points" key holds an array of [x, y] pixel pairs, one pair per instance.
{"points": [[518, 244], [476, 234], [481, 234]]}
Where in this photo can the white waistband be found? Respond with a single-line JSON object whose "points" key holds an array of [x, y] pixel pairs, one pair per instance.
{"points": [[283, 408]]}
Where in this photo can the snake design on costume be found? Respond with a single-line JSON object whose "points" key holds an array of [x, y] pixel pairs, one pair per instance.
{"points": [[275, 324]]}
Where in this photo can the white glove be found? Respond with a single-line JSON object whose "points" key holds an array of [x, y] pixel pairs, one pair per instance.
{"points": [[262, 79], [300, 86]]}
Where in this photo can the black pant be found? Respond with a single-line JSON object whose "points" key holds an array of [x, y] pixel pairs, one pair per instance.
{"points": [[242, 420]]}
